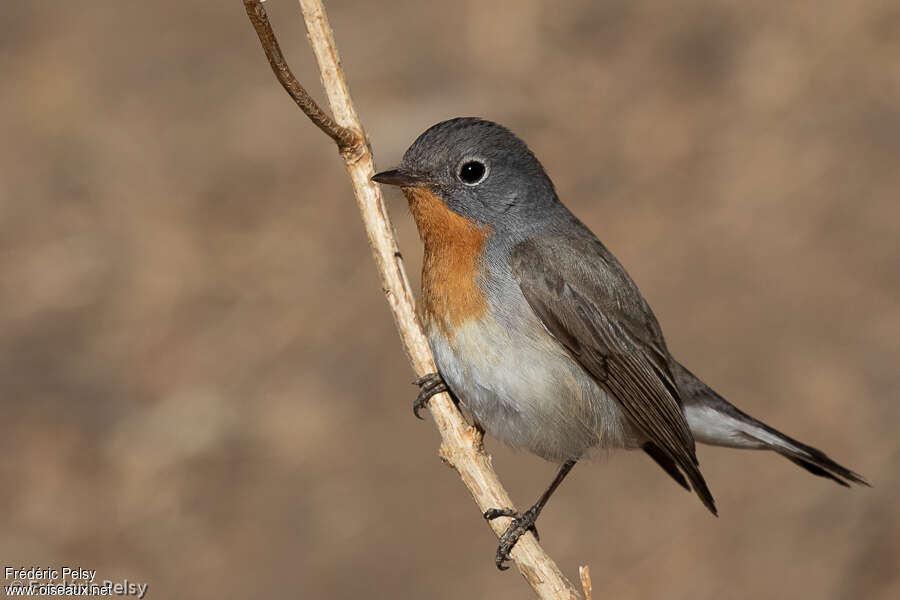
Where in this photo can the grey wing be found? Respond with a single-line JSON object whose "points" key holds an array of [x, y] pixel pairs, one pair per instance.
{"points": [[577, 290]]}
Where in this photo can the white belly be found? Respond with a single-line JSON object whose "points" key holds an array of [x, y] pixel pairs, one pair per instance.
{"points": [[523, 388]]}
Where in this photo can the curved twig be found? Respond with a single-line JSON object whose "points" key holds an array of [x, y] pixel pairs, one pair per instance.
{"points": [[461, 445], [347, 139]]}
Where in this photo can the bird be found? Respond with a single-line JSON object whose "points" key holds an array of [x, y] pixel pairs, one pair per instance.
{"points": [[540, 333]]}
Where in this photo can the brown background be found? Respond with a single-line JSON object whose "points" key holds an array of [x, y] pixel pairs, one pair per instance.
{"points": [[201, 384]]}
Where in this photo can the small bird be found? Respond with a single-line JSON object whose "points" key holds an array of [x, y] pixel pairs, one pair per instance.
{"points": [[542, 335]]}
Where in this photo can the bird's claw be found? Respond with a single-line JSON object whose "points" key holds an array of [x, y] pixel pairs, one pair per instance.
{"points": [[519, 525], [429, 385]]}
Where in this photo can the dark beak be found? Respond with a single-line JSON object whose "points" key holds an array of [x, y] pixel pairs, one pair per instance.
{"points": [[399, 178]]}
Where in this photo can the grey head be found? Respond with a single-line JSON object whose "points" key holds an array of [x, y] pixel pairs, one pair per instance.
{"points": [[481, 170]]}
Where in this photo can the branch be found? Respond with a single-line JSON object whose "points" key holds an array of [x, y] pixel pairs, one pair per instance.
{"points": [[461, 445], [346, 138]]}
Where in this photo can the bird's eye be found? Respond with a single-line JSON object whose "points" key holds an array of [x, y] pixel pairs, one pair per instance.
{"points": [[472, 172]]}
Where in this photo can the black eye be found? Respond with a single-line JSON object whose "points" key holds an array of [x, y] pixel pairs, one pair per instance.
{"points": [[472, 171]]}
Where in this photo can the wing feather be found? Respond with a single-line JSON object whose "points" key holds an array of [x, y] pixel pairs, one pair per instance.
{"points": [[575, 306]]}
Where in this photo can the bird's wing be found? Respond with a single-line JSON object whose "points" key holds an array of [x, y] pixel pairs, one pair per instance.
{"points": [[589, 304]]}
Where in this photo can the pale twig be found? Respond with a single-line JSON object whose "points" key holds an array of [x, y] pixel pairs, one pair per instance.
{"points": [[461, 445], [586, 585]]}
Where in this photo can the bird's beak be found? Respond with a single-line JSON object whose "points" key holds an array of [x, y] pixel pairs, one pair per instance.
{"points": [[400, 178]]}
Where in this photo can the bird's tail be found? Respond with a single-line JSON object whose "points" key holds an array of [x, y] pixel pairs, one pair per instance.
{"points": [[713, 420]]}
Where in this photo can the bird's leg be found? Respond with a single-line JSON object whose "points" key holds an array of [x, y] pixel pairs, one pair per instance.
{"points": [[429, 385], [524, 522]]}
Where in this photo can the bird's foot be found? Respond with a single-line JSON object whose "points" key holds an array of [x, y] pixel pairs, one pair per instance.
{"points": [[429, 385], [517, 528]]}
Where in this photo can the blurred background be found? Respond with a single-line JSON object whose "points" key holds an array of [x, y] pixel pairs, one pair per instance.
{"points": [[202, 388]]}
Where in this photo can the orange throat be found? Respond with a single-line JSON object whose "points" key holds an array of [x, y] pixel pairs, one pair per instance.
{"points": [[453, 248]]}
